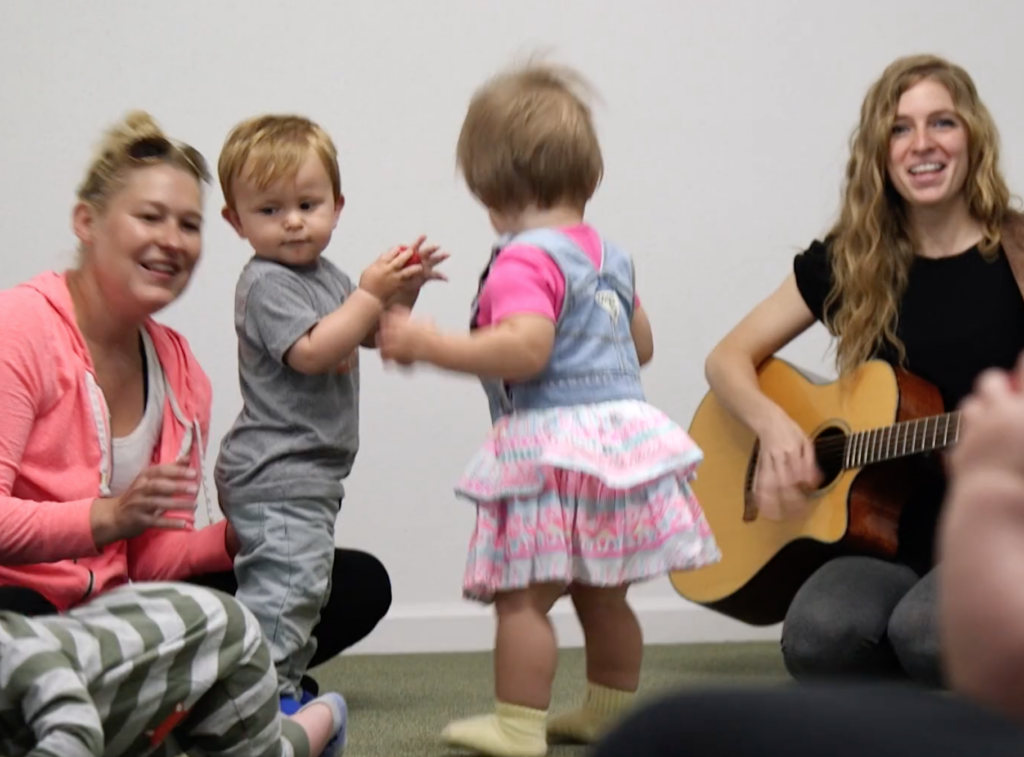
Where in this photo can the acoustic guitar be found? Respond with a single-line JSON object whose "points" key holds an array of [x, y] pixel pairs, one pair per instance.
{"points": [[866, 430]]}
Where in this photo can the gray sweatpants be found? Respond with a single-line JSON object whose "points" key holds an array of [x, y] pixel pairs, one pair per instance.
{"points": [[861, 617], [284, 576]]}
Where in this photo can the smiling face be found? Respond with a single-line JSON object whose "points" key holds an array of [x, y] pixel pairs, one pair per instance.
{"points": [[142, 247], [928, 147], [291, 220]]}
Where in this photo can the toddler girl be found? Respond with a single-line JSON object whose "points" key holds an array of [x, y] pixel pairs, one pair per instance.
{"points": [[581, 487]]}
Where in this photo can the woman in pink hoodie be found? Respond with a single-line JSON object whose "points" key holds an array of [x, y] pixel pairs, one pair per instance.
{"points": [[105, 412]]}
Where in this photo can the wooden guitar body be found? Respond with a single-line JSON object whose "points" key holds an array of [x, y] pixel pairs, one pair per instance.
{"points": [[764, 562]]}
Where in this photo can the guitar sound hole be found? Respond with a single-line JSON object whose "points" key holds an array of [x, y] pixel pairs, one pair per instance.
{"points": [[829, 449]]}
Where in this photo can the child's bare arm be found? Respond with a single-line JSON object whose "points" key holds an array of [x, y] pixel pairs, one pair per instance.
{"points": [[333, 339], [516, 349], [643, 337]]}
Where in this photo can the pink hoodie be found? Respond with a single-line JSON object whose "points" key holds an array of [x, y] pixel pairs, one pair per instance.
{"points": [[55, 454]]}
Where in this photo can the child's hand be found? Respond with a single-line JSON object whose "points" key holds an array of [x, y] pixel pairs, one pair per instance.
{"points": [[386, 275], [430, 258], [401, 339], [992, 426]]}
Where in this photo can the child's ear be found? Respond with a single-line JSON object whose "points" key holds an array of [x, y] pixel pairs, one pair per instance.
{"points": [[339, 203], [231, 216]]}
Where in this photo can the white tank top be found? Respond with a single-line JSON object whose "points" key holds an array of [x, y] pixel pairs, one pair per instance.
{"points": [[134, 453]]}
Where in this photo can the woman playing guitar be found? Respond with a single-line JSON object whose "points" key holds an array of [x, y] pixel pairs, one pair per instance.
{"points": [[982, 619], [913, 273]]}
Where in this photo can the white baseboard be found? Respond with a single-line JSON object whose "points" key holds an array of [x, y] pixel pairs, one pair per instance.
{"points": [[458, 627]]}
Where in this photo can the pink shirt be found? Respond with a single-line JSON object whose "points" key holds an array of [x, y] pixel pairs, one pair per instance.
{"points": [[524, 279]]}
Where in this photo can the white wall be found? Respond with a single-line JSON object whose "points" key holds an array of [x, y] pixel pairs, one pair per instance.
{"points": [[724, 127]]}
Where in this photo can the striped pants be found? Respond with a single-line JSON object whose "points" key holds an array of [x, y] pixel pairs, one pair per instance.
{"points": [[146, 669]]}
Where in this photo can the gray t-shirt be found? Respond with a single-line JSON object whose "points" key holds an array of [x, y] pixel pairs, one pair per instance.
{"points": [[297, 435]]}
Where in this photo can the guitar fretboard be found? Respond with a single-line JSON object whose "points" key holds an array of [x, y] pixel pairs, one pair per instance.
{"points": [[900, 439]]}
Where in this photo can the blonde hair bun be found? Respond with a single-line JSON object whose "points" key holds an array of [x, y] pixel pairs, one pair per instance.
{"points": [[112, 160]]}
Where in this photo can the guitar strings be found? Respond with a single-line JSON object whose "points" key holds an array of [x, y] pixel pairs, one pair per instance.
{"points": [[898, 438], [833, 443]]}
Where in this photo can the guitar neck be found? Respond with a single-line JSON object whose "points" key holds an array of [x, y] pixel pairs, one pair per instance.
{"points": [[900, 440]]}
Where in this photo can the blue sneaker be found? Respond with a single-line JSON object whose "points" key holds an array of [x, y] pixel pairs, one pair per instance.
{"points": [[339, 709], [291, 705]]}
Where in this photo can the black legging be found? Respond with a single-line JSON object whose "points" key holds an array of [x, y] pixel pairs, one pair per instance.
{"points": [[852, 720], [24, 601], [360, 597]]}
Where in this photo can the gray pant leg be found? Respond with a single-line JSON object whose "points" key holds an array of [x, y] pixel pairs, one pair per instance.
{"points": [[284, 576], [914, 633], [838, 623]]}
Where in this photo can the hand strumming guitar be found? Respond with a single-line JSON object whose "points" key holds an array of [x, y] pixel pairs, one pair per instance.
{"points": [[786, 469]]}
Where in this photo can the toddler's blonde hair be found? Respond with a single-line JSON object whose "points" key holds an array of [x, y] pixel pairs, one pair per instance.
{"points": [[271, 147]]}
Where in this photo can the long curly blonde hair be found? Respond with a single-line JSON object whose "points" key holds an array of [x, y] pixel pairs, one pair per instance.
{"points": [[871, 250]]}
